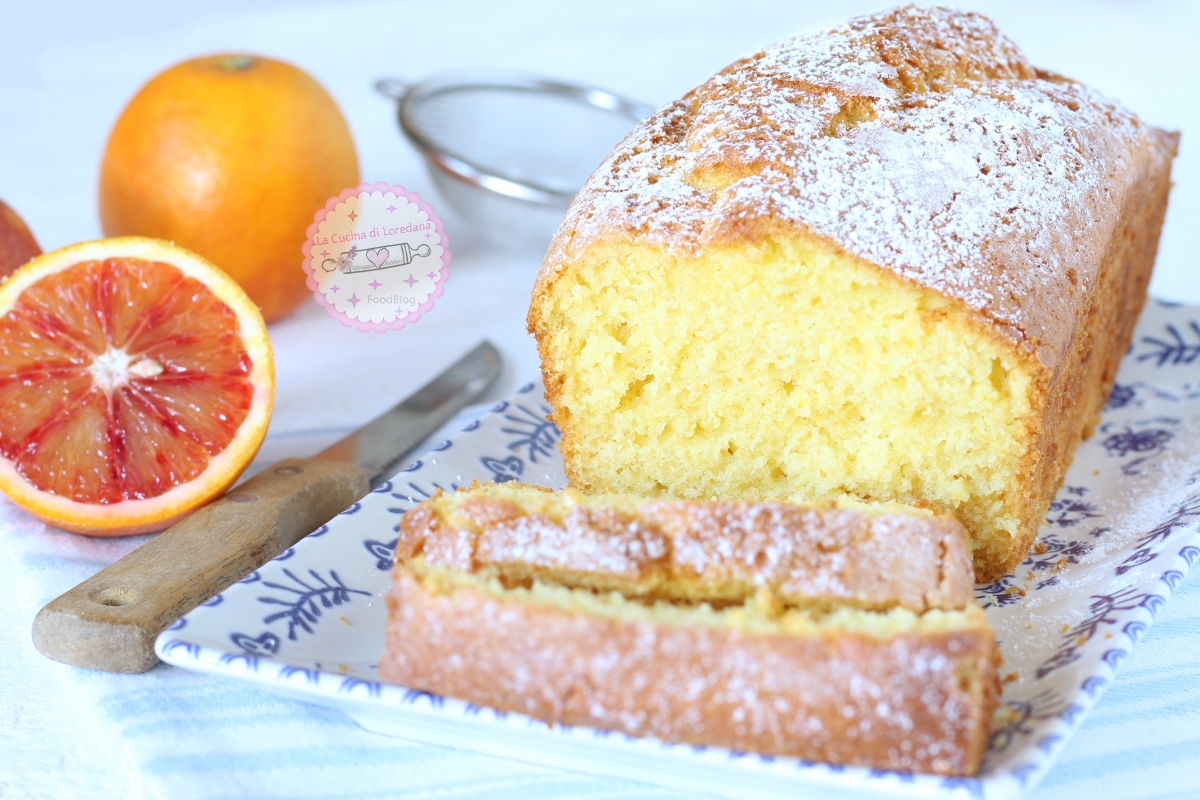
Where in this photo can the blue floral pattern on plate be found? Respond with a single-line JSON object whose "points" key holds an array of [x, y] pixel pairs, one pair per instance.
{"points": [[1121, 536]]}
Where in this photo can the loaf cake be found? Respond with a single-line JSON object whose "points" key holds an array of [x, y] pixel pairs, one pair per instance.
{"points": [[775, 628], [893, 261]]}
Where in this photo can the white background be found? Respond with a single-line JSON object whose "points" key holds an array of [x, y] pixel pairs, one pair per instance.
{"points": [[71, 66], [67, 69]]}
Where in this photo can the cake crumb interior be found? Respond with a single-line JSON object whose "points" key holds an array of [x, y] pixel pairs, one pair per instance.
{"points": [[770, 371]]}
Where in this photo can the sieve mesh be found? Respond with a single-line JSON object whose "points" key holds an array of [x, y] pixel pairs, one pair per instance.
{"points": [[507, 150]]}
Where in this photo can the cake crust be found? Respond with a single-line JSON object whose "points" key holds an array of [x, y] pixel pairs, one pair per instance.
{"points": [[818, 698]]}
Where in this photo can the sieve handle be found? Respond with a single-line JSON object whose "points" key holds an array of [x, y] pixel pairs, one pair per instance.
{"points": [[393, 88]]}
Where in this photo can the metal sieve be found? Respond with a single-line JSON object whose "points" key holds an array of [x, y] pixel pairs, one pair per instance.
{"points": [[509, 150]]}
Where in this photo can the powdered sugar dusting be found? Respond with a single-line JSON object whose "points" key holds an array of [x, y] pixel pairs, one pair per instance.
{"points": [[919, 139], [589, 540]]}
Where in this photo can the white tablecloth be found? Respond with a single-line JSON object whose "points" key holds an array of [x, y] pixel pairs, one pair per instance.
{"points": [[67, 69]]}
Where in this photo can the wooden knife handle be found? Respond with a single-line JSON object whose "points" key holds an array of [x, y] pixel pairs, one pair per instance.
{"points": [[110, 621]]}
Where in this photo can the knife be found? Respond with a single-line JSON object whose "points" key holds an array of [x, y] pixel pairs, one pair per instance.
{"points": [[109, 622]]}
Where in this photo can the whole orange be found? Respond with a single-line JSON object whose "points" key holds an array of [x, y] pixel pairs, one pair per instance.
{"points": [[17, 244], [229, 156]]}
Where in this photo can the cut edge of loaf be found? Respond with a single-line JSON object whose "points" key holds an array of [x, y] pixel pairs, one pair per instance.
{"points": [[710, 444]]}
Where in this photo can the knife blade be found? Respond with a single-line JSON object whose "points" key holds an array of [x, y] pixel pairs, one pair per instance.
{"points": [[378, 446], [110, 621]]}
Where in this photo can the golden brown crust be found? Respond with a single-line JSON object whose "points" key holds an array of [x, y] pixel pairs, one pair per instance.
{"points": [[918, 702], [968, 170], [697, 550], [1072, 397]]}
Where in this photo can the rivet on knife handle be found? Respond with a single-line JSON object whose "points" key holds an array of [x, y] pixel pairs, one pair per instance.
{"points": [[110, 621]]}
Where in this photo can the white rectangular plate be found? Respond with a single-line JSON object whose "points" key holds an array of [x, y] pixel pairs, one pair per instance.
{"points": [[1119, 538]]}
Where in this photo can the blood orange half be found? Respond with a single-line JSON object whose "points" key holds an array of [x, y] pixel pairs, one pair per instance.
{"points": [[136, 384]]}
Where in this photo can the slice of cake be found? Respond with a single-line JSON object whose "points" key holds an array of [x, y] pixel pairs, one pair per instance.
{"points": [[843, 634], [892, 262]]}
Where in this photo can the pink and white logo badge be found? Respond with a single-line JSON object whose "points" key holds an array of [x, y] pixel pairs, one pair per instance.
{"points": [[376, 257]]}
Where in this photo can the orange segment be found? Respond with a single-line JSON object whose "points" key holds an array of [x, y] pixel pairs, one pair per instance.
{"points": [[139, 379]]}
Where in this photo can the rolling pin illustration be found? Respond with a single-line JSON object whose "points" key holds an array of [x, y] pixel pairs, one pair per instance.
{"points": [[368, 260]]}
